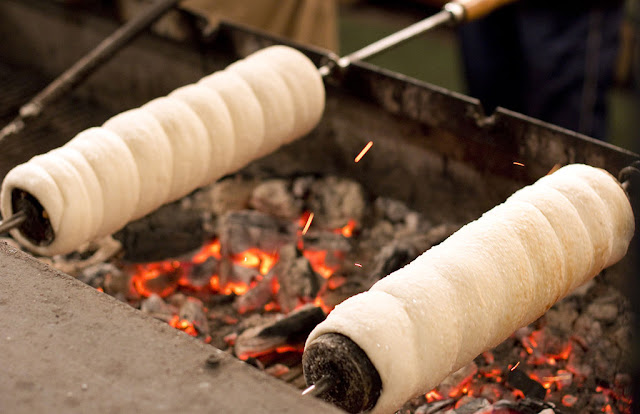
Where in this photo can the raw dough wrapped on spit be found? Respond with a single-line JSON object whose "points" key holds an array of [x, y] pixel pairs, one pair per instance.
{"points": [[149, 156], [493, 276]]}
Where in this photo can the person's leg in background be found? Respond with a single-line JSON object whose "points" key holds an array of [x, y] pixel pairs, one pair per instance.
{"points": [[552, 63], [492, 60]]}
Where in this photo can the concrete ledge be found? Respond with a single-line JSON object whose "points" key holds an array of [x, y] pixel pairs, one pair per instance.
{"points": [[67, 348]]}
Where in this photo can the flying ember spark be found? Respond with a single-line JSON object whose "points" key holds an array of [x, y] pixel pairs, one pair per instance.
{"points": [[518, 163], [308, 223], [364, 151], [515, 366], [358, 264]]}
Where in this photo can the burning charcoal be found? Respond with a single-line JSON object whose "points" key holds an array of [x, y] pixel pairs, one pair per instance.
{"points": [[603, 312], [289, 331], [393, 210], [335, 201], [392, 257], [273, 197], [226, 195], [470, 405], [322, 240], [516, 378], [168, 232], [247, 229], [295, 277], [239, 274], [435, 407], [532, 406], [454, 383], [256, 297], [277, 370], [301, 186], [561, 317], [200, 273], [177, 299], [193, 311], [491, 392], [156, 307], [112, 280]]}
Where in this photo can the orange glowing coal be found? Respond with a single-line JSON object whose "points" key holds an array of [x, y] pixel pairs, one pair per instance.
{"points": [[318, 261], [183, 325], [256, 258], [278, 350], [347, 230], [211, 249], [160, 278]]}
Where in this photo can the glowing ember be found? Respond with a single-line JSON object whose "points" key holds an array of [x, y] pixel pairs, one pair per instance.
{"points": [[183, 325], [358, 264], [569, 400], [318, 261], [515, 366], [518, 164], [364, 151], [211, 249], [256, 258], [160, 278], [279, 350], [307, 224], [347, 230], [433, 395]]}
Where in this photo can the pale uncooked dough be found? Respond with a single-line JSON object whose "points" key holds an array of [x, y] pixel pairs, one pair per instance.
{"points": [[117, 172], [494, 275], [152, 152], [91, 184], [275, 99], [304, 82], [245, 111], [189, 143], [213, 113], [37, 181], [614, 197], [593, 213]]}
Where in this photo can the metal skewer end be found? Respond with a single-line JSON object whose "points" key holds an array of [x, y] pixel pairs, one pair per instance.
{"points": [[13, 222], [323, 385]]}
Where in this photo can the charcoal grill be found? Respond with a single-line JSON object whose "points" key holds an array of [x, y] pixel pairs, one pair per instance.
{"points": [[435, 149]]}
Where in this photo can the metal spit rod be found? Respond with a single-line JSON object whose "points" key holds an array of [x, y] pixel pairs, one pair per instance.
{"points": [[87, 65], [454, 12]]}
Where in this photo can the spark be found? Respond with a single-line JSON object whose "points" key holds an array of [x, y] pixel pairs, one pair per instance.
{"points": [[515, 366], [307, 224], [358, 264], [364, 151], [518, 163]]}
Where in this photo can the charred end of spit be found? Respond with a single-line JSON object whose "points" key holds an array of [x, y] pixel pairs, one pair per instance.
{"points": [[356, 382], [37, 228]]}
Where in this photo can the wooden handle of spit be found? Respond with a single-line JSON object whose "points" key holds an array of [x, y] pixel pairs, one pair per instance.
{"points": [[475, 9]]}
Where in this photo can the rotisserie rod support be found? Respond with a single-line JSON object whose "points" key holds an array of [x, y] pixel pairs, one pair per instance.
{"points": [[13, 222], [323, 385], [87, 64], [454, 12]]}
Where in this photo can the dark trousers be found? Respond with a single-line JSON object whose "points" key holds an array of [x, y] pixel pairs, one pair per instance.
{"points": [[550, 63]]}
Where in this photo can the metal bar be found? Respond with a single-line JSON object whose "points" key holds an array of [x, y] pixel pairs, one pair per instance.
{"points": [[393, 40], [320, 387], [87, 64], [13, 222]]}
